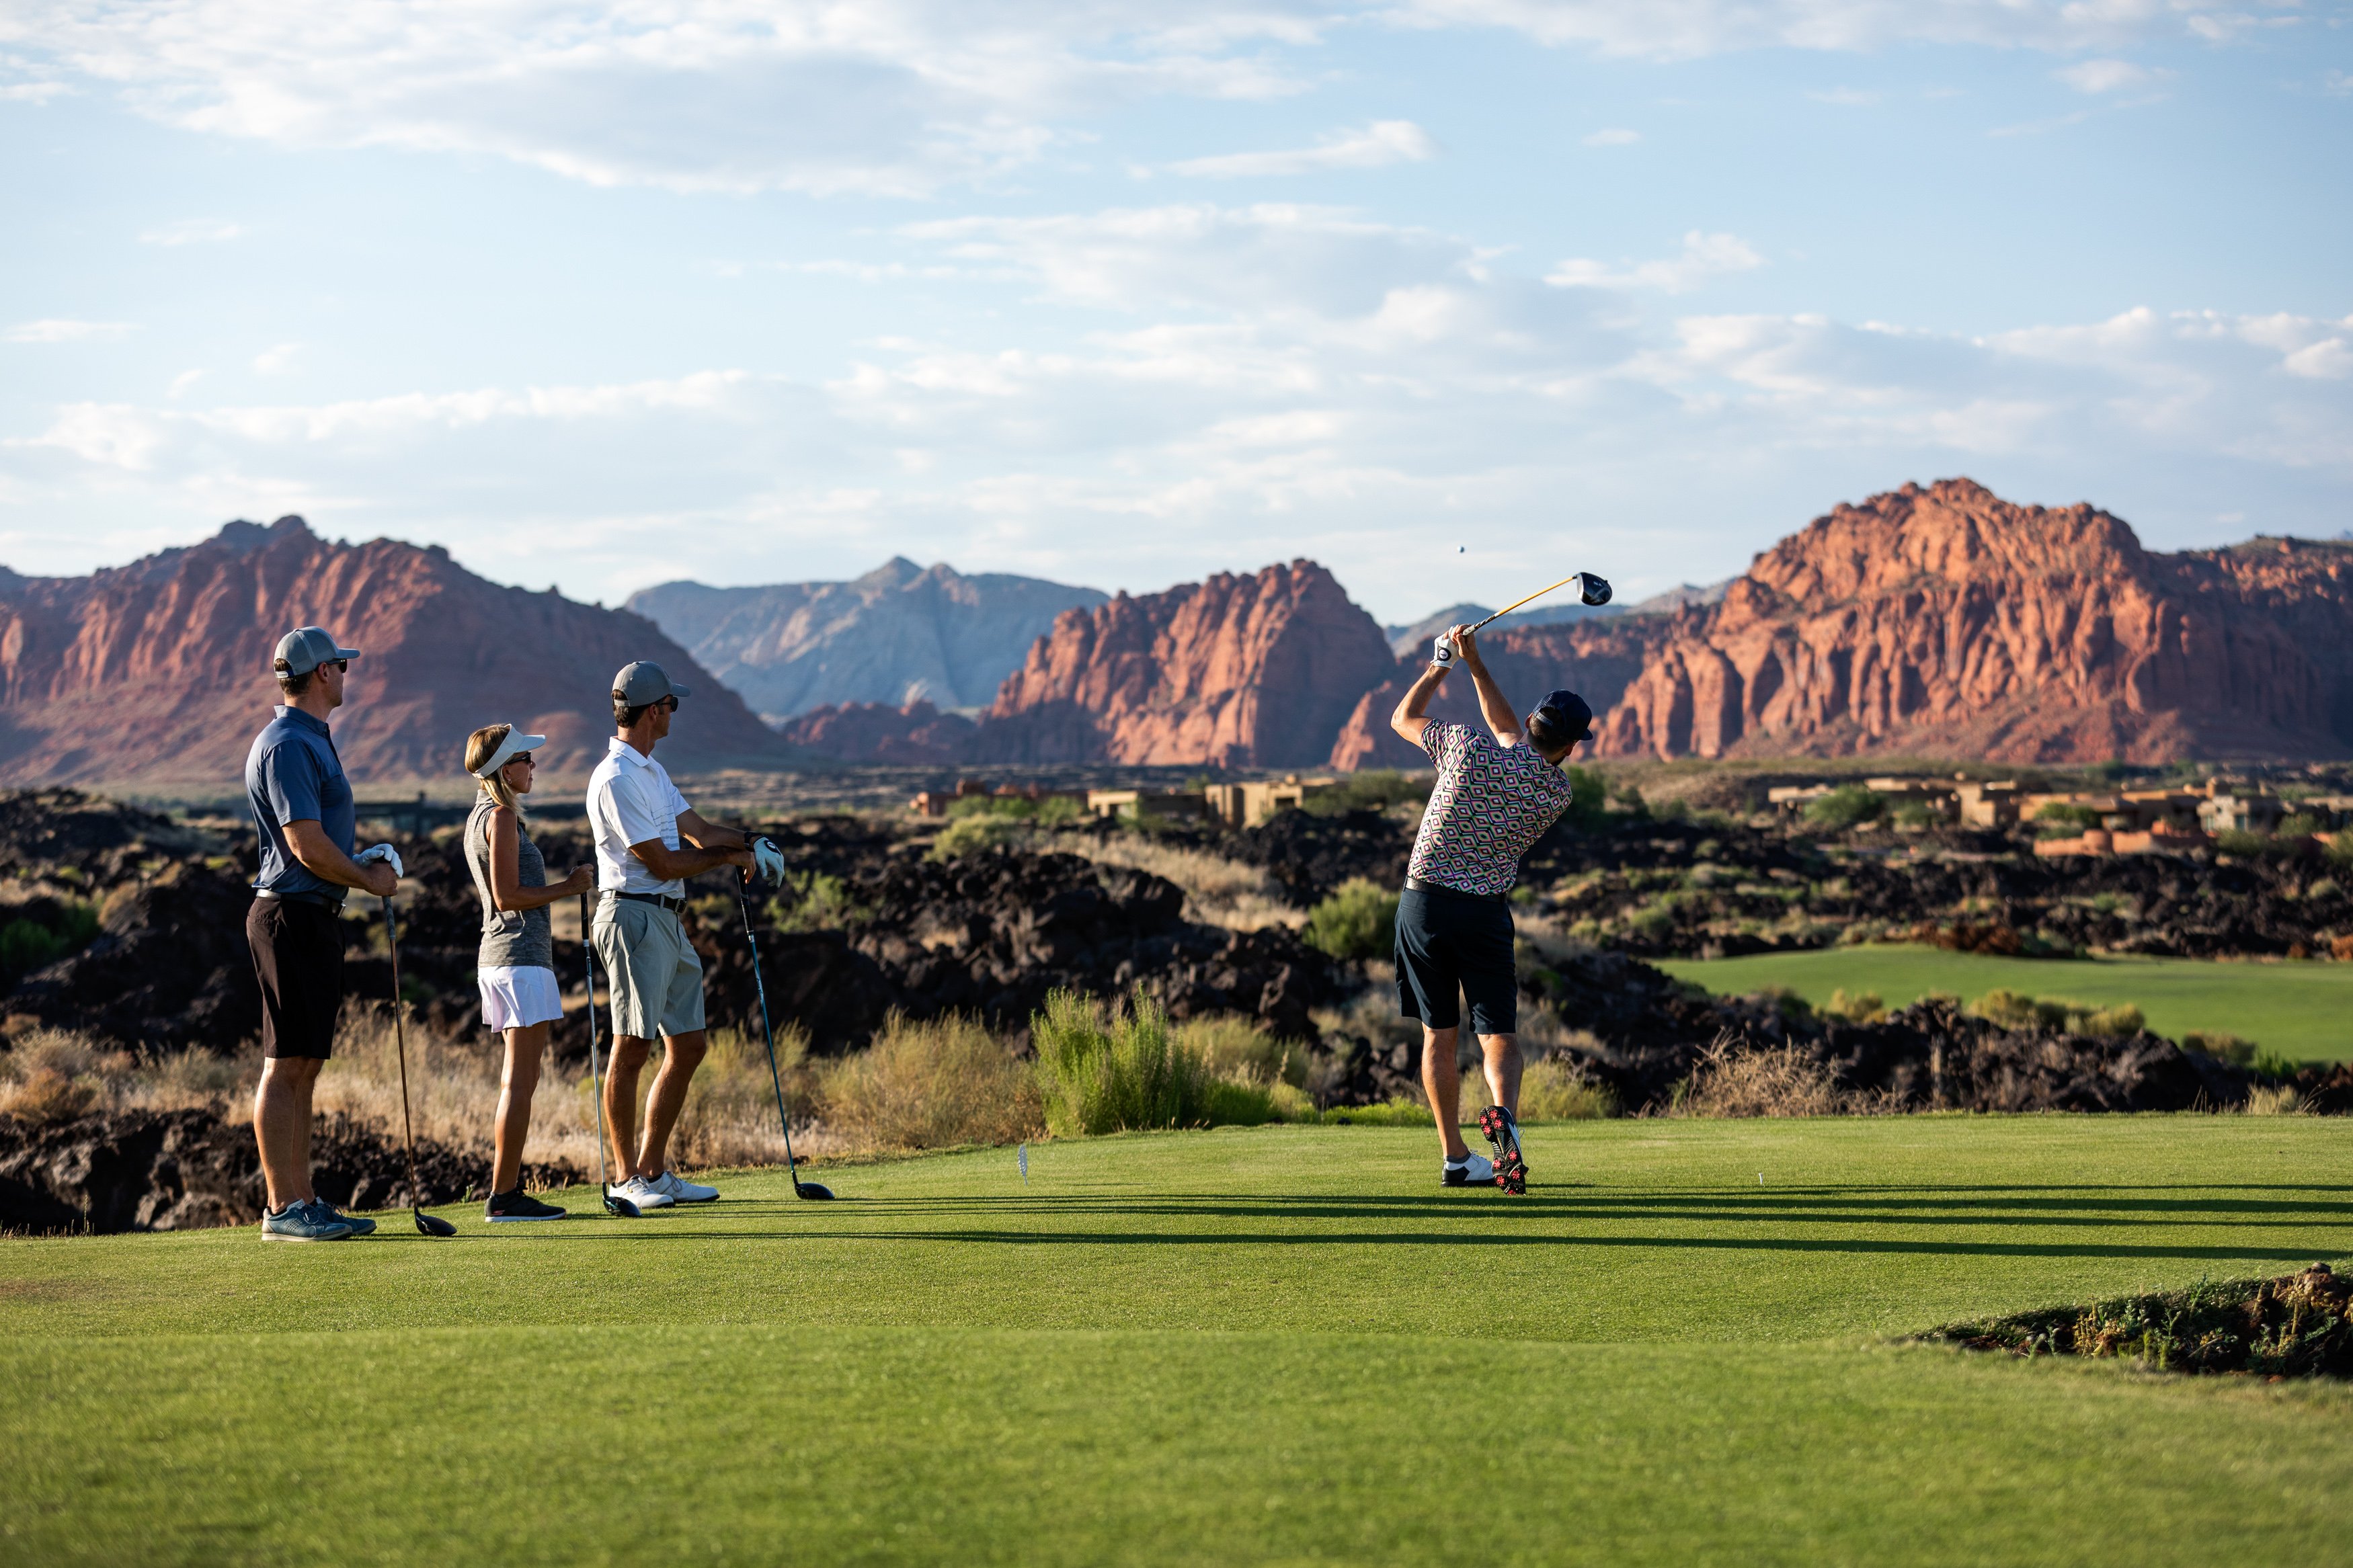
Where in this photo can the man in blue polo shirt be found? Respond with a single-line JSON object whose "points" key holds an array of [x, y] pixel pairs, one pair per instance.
{"points": [[1494, 796], [303, 809]]}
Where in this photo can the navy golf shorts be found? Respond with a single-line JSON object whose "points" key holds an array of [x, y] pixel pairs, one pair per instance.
{"points": [[1453, 946]]}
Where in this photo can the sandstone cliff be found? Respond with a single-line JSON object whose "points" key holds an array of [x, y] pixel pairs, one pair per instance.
{"points": [[158, 672], [878, 732], [901, 634], [1257, 671], [1948, 622]]}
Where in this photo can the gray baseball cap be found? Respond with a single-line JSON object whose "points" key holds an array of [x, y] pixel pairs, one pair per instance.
{"points": [[305, 649], [644, 682]]}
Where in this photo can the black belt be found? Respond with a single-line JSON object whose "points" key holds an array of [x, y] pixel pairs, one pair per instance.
{"points": [[1415, 885], [664, 900], [315, 899]]}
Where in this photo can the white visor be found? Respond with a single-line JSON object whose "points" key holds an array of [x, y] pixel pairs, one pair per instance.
{"points": [[513, 746]]}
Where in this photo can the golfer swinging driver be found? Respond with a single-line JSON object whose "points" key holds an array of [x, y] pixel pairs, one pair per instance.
{"points": [[1493, 798]]}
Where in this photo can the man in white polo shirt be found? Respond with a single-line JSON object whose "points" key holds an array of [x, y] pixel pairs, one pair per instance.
{"points": [[649, 841]]}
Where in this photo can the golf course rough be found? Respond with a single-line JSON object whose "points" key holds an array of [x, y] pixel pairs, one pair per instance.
{"points": [[1277, 1345]]}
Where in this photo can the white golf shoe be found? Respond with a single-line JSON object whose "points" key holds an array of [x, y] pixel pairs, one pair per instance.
{"points": [[681, 1191], [642, 1192], [1471, 1171]]}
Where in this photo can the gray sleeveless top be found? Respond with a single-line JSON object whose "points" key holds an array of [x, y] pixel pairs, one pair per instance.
{"points": [[511, 938]]}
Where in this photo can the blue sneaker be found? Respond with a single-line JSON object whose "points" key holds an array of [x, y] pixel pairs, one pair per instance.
{"points": [[361, 1225], [309, 1220]]}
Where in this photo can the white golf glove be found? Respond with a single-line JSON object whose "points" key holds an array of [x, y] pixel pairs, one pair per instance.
{"points": [[767, 859], [1442, 655], [384, 852]]}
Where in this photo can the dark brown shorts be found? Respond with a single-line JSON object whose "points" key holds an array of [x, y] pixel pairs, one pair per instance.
{"points": [[298, 956]]}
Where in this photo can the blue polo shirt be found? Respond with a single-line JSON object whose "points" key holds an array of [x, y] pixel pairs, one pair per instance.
{"points": [[293, 772]]}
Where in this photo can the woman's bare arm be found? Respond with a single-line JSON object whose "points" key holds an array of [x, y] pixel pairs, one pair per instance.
{"points": [[507, 891]]}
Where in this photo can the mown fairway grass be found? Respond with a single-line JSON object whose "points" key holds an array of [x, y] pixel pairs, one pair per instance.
{"points": [[1277, 1345], [2302, 1009]]}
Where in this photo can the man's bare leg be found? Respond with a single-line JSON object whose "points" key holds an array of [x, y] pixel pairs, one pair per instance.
{"points": [[682, 1054], [1441, 1080], [281, 1127], [621, 1103], [1504, 1068]]}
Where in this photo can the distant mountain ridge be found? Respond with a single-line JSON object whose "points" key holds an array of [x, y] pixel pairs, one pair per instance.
{"points": [[158, 672], [900, 634], [1422, 634]]}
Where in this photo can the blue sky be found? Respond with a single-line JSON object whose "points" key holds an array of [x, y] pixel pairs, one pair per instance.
{"points": [[1455, 296]]}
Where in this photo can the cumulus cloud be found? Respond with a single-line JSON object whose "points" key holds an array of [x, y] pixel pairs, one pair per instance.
{"points": [[55, 331], [1613, 138], [1383, 141], [2108, 76], [1705, 255]]}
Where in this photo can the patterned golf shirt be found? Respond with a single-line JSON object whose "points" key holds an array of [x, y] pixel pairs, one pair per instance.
{"points": [[1490, 803]]}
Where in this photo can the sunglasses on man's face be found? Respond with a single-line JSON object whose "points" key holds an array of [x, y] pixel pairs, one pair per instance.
{"points": [[340, 666], [668, 704]]}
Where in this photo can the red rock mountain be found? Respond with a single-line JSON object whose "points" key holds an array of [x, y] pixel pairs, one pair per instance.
{"points": [[1946, 622], [1257, 671], [158, 673]]}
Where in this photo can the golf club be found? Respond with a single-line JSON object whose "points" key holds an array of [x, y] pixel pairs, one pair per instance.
{"points": [[618, 1207], [1591, 590], [800, 1189], [427, 1224]]}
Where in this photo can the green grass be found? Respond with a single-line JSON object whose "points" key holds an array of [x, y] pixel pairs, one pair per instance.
{"points": [[1279, 1344], [2301, 1009]]}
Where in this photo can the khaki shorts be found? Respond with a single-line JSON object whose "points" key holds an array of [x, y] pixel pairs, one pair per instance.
{"points": [[656, 980]]}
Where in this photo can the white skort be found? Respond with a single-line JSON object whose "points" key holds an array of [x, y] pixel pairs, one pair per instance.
{"points": [[516, 997]]}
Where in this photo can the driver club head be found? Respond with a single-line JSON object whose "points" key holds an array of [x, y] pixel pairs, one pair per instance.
{"points": [[620, 1207], [432, 1223], [813, 1190], [1591, 589]]}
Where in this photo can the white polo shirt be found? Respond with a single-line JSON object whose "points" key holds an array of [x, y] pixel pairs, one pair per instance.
{"points": [[630, 800]]}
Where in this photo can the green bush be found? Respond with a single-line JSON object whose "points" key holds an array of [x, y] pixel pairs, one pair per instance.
{"points": [[1845, 806], [2221, 1046], [971, 835], [1589, 795], [1856, 1007], [1102, 1071], [1243, 1049], [2121, 1022], [2075, 818], [1060, 811], [27, 944], [813, 900], [1358, 921]]}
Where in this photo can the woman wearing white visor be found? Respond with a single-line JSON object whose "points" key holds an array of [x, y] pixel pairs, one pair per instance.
{"points": [[517, 963]]}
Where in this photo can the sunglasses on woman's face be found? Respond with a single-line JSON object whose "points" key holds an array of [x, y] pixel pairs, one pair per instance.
{"points": [[523, 757]]}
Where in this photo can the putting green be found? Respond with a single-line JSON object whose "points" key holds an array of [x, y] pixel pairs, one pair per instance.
{"points": [[1273, 1344], [2300, 1009]]}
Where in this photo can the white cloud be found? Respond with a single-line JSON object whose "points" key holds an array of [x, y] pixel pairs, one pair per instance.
{"points": [[278, 360], [2108, 76], [1382, 142], [1705, 255], [35, 92], [68, 332], [1694, 29], [1848, 96], [1613, 138], [182, 383], [2337, 84], [191, 231]]}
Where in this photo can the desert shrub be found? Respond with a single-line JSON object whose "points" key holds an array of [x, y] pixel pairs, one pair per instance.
{"points": [[1916, 813], [2120, 1023], [1358, 921], [1217, 891], [1240, 1048], [2274, 1100], [972, 833], [730, 1115], [2240, 842], [1551, 1089], [1060, 811], [2066, 820], [1729, 1081], [2221, 1046], [1856, 1006], [1231, 1103], [1786, 1002], [2340, 847], [933, 1085], [1109, 1070], [1845, 806], [2303, 825], [1402, 1112], [2326, 887], [813, 900], [1373, 789]]}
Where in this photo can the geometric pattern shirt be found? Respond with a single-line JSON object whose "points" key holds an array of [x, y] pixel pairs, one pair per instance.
{"points": [[1490, 803]]}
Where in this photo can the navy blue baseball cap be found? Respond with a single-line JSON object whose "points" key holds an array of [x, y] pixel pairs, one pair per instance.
{"points": [[1562, 719]]}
